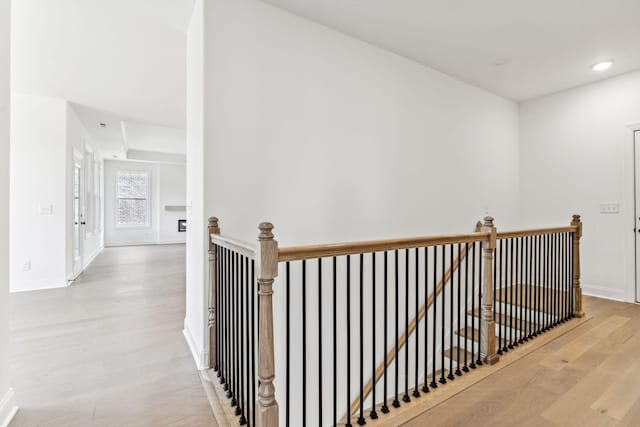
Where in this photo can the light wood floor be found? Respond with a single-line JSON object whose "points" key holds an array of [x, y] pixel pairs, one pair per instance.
{"points": [[109, 350], [587, 377]]}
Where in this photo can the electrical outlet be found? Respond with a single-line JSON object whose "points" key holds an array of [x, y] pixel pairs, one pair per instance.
{"points": [[26, 266], [609, 208], [45, 209]]}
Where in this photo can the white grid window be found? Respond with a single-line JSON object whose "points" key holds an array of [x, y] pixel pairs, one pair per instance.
{"points": [[132, 204]]}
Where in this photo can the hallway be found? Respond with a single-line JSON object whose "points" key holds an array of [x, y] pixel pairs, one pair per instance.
{"points": [[108, 350]]}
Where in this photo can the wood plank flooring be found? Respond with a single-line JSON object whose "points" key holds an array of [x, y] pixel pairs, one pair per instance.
{"points": [[587, 377], [108, 350]]}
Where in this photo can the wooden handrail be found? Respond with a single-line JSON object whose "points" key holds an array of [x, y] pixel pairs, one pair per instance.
{"points": [[235, 245], [298, 253], [535, 232], [355, 405]]}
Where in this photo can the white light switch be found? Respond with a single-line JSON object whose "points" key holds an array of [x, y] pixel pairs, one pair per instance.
{"points": [[45, 209], [609, 208]]}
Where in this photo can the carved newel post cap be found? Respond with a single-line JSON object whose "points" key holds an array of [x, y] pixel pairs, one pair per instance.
{"points": [[488, 221], [576, 218], [213, 221], [265, 231]]}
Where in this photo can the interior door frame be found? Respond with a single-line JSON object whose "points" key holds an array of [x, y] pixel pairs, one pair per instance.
{"points": [[77, 262], [636, 217]]}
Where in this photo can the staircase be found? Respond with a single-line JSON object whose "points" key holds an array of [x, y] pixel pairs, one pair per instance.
{"points": [[364, 329]]}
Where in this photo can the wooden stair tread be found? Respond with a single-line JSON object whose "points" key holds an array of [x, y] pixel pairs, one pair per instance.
{"points": [[472, 333], [507, 320], [504, 295], [453, 354]]}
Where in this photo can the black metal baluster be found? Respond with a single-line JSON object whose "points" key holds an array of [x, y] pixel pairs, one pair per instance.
{"points": [[253, 340], [220, 313], [236, 371], [479, 361], [241, 389], [548, 282], [434, 384], [425, 386], [348, 378], [396, 402], [373, 414], [499, 321], [223, 319], [465, 368], [568, 269], [319, 341], [458, 324], [521, 292], [216, 313], [416, 391], [385, 407], [228, 326], [536, 281], [335, 352], [472, 365], [515, 303], [572, 294], [361, 420], [512, 285], [442, 326], [288, 343], [554, 294], [406, 397], [451, 309], [556, 239], [304, 342], [565, 257], [529, 289]]}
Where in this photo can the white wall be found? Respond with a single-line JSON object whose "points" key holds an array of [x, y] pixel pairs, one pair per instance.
{"points": [[299, 119], [577, 152], [45, 133], [78, 139], [173, 186], [333, 139], [196, 296], [7, 404], [167, 187], [38, 179]]}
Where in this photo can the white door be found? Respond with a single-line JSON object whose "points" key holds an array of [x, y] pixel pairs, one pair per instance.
{"points": [[78, 217], [637, 225]]}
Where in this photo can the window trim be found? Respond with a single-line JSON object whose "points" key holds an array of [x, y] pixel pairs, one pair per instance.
{"points": [[147, 224]]}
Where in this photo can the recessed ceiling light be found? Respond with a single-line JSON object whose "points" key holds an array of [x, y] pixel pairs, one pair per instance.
{"points": [[499, 62], [601, 66], [115, 157]]}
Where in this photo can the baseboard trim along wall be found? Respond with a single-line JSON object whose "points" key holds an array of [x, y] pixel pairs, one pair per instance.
{"points": [[39, 285], [8, 408], [92, 257], [602, 292], [200, 356]]}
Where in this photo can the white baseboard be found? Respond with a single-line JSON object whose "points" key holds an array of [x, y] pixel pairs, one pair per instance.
{"points": [[38, 285], [92, 257], [142, 243], [8, 408], [200, 356], [602, 292]]}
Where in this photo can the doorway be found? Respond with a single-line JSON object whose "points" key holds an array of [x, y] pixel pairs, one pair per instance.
{"points": [[636, 152], [77, 215]]}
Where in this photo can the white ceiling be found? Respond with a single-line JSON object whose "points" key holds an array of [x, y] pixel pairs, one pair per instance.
{"points": [[122, 133], [548, 45], [127, 57]]}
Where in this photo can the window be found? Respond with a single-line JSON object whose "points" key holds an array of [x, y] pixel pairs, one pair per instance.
{"points": [[132, 194]]}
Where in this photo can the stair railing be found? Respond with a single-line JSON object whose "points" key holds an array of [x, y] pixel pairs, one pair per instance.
{"points": [[343, 315]]}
